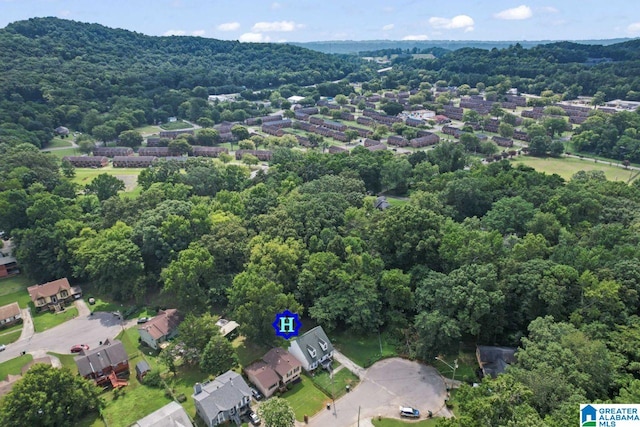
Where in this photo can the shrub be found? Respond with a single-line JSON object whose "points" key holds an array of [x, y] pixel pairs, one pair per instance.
{"points": [[153, 379]]}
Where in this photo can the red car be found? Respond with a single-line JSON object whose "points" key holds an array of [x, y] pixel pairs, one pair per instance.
{"points": [[79, 347]]}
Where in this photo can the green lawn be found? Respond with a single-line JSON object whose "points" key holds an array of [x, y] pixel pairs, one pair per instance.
{"points": [[14, 289], [59, 142], [467, 365], [67, 361], [567, 167], [14, 284], [177, 125], [305, 398], [150, 129], [341, 379], [248, 352], [48, 320], [364, 351], [65, 152], [183, 382], [391, 422], [84, 176], [8, 338], [14, 366]]}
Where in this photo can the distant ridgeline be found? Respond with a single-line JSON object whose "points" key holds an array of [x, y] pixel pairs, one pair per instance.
{"points": [[351, 46]]}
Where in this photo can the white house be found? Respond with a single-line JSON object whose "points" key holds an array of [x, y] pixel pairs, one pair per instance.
{"points": [[223, 399], [312, 349]]}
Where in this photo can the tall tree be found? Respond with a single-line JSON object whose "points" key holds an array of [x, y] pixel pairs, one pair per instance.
{"points": [[131, 138], [105, 186], [277, 412], [218, 356]]}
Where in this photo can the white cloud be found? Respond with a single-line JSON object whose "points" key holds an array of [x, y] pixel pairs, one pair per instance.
{"points": [[416, 37], [279, 26], [457, 22], [549, 9], [228, 26], [388, 27], [634, 29], [175, 33], [275, 5], [517, 13], [198, 33], [254, 38]]}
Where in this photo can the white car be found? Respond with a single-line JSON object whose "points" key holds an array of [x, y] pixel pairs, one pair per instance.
{"points": [[255, 419], [3, 347]]}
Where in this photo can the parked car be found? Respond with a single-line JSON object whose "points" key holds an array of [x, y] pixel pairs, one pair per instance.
{"points": [[143, 320], [79, 347], [255, 419], [409, 412], [256, 394], [3, 347]]}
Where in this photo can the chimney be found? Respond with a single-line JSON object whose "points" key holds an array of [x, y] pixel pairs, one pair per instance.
{"points": [[197, 388]]}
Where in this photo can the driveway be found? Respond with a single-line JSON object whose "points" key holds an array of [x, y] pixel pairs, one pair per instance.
{"points": [[386, 386], [84, 329]]}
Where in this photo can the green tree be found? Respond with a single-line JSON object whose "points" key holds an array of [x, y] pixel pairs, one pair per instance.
{"points": [[197, 331], [341, 99], [240, 132], [179, 146], [105, 186], [131, 138], [277, 412], [392, 108], [218, 356], [86, 144], [207, 137], [68, 170], [395, 175], [505, 130], [48, 396], [470, 142], [190, 278], [104, 133]]}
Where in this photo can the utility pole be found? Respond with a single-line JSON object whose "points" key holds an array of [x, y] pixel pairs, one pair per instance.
{"points": [[333, 395]]}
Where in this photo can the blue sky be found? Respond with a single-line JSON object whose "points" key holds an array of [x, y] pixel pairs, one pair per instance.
{"points": [[314, 20]]}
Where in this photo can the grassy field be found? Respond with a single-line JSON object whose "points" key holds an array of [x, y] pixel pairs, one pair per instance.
{"points": [[364, 351], [467, 365], [14, 366], [567, 167], [391, 422], [305, 398], [150, 129], [341, 379], [8, 338], [84, 176], [59, 142], [177, 125], [14, 289], [65, 152], [44, 321], [248, 352]]}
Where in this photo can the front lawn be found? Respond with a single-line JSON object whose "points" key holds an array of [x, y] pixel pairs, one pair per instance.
{"points": [[363, 350], [305, 398], [341, 380], [8, 338], [21, 297], [48, 320], [67, 361], [467, 365], [14, 366]]}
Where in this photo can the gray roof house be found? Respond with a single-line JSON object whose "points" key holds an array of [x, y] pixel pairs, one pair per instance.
{"points": [[223, 399], [495, 360], [170, 415], [312, 349]]}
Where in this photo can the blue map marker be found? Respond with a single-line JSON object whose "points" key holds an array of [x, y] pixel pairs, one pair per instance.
{"points": [[287, 324]]}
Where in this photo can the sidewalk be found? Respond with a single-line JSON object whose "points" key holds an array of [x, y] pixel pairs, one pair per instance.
{"points": [[27, 325]]}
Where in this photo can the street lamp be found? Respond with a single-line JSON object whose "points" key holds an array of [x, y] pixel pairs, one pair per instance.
{"points": [[453, 368]]}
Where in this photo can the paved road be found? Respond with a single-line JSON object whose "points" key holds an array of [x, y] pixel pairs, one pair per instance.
{"points": [[386, 386], [84, 329]]}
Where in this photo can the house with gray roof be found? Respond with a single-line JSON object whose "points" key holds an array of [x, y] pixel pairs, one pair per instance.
{"points": [[170, 415], [225, 398], [312, 349], [495, 360]]}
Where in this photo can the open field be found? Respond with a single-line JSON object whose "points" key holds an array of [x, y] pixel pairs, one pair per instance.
{"points": [[59, 142], [14, 366], [364, 351], [177, 125], [84, 176], [65, 152], [305, 398], [566, 167]]}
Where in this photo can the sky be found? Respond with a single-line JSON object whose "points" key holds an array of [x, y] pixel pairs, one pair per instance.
{"points": [[323, 20]]}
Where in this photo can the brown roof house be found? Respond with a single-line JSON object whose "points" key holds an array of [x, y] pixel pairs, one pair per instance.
{"points": [[276, 369], [10, 314], [53, 295], [106, 364], [161, 328]]}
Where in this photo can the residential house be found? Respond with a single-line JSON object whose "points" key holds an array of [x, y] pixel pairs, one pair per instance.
{"points": [[276, 369], [87, 161], [494, 360], [161, 328], [10, 314], [105, 364], [133, 161], [312, 349], [53, 295], [170, 415], [62, 131], [381, 203], [8, 266], [225, 398]]}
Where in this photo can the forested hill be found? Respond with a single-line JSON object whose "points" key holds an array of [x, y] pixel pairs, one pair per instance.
{"points": [[46, 63]]}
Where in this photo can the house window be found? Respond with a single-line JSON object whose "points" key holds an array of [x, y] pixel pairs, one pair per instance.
{"points": [[64, 294], [311, 350], [40, 301], [323, 345]]}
